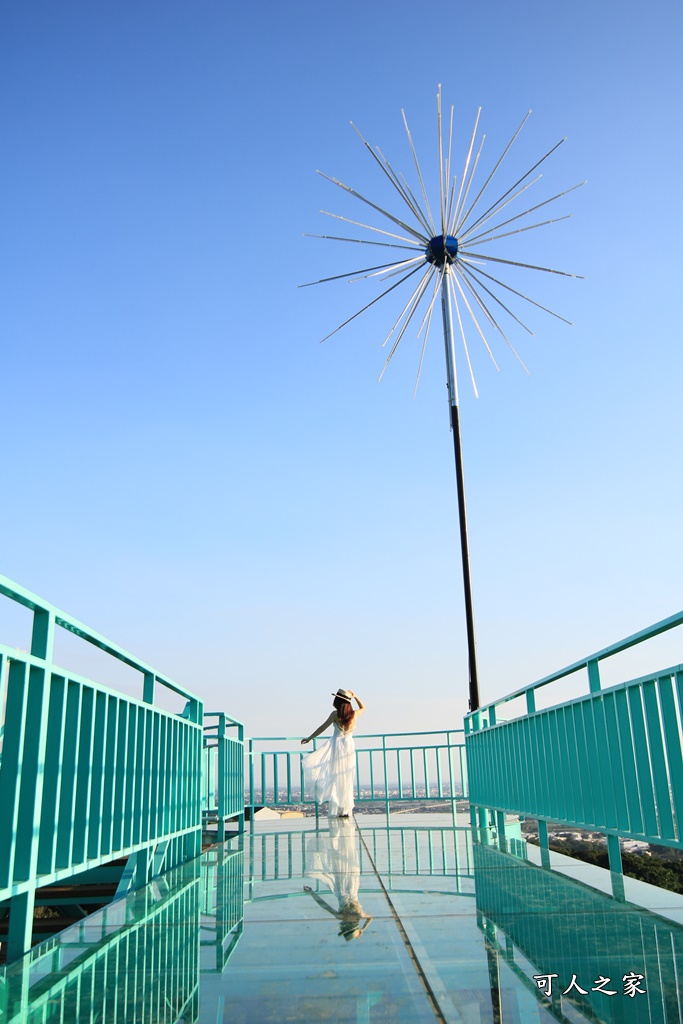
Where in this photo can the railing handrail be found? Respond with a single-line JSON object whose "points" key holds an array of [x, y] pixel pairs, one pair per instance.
{"points": [[591, 663], [604, 690], [229, 720], [36, 604], [11, 654], [437, 763], [359, 736]]}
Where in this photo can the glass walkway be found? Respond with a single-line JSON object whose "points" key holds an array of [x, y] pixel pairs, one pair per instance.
{"points": [[362, 921]]}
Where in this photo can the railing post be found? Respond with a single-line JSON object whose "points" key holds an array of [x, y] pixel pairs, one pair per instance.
{"points": [[500, 825], [451, 782], [480, 823], [616, 867], [148, 688], [31, 700], [43, 634], [543, 843], [386, 780], [220, 733], [240, 737], [251, 782], [20, 929], [593, 676]]}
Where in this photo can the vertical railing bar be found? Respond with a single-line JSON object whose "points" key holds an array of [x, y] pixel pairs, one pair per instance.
{"points": [[94, 840], [642, 759], [139, 775], [68, 790], [131, 747], [672, 734], [53, 768], [251, 778], [655, 736]]}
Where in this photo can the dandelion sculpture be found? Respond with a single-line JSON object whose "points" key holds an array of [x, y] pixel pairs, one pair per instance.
{"points": [[447, 256]]}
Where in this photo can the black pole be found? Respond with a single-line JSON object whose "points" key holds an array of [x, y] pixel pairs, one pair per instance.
{"points": [[465, 554]]}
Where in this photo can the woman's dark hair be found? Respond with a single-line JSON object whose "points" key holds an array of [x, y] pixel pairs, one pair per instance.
{"points": [[344, 709]]}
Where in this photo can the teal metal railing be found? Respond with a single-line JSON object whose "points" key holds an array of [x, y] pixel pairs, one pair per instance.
{"points": [[390, 768], [88, 775], [222, 919], [139, 959], [542, 925], [84, 974], [222, 772], [610, 760]]}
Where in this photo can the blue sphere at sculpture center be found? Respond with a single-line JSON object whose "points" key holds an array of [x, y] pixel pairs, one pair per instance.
{"points": [[440, 250]]}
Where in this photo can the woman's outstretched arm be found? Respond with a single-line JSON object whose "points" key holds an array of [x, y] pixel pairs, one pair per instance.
{"points": [[328, 721], [321, 902], [359, 702]]}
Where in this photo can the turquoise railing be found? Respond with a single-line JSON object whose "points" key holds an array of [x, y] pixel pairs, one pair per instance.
{"points": [[139, 959], [222, 772], [88, 775], [545, 927], [390, 768], [83, 975], [610, 760], [222, 918]]}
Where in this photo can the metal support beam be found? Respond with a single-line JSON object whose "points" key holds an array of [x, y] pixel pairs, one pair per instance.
{"points": [[460, 483]]}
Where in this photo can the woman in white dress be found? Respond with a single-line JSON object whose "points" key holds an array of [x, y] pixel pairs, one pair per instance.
{"points": [[330, 771]]}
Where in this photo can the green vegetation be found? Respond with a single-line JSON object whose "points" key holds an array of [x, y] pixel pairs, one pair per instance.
{"points": [[660, 865]]}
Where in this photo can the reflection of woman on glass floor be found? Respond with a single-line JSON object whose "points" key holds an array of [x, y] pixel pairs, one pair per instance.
{"points": [[349, 916], [334, 861], [330, 771]]}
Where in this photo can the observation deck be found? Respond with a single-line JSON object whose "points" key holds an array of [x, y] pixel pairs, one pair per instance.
{"points": [[453, 929], [110, 910]]}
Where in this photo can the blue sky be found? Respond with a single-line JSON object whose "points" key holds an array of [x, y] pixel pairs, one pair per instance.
{"points": [[190, 472]]}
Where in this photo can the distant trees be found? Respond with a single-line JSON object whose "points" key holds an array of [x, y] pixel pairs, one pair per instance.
{"points": [[661, 865]]}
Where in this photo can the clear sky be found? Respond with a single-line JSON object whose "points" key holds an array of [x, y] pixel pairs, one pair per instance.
{"points": [[186, 468]]}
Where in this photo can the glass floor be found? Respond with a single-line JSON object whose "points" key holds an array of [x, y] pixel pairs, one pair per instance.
{"points": [[357, 921]]}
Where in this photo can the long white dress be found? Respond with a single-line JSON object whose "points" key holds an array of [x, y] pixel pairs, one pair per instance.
{"points": [[334, 861], [330, 773]]}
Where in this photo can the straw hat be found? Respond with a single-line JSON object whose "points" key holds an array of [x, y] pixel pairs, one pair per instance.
{"points": [[343, 695]]}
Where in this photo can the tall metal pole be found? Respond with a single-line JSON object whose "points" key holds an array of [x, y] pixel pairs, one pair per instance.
{"points": [[462, 513]]}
